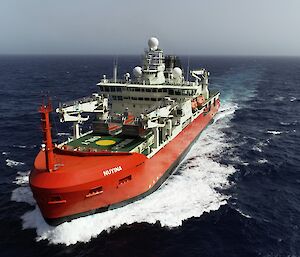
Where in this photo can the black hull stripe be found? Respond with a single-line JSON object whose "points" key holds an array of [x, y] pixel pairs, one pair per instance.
{"points": [[163, 178]]}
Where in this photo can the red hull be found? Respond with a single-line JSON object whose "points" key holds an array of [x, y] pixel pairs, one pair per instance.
{"points": [[88, 183]]}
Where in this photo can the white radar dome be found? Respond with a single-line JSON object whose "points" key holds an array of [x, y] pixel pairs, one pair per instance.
{"points": [[137, 71], [153, 43], [177, 72]]}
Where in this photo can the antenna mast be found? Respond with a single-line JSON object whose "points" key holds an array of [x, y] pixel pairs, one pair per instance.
{"points": [[45, 111], [115, 71], [188, 69]]}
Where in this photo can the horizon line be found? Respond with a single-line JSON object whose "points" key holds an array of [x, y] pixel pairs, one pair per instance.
{"points": [[134, 55]]}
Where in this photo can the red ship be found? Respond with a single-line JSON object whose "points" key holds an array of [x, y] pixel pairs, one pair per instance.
{"points": [[142, 129]]}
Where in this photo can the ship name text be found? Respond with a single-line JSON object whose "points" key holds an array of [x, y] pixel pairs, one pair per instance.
{"points": [[112, 170]]}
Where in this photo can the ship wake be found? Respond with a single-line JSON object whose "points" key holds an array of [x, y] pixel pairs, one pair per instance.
{"points": [[191, 191]]}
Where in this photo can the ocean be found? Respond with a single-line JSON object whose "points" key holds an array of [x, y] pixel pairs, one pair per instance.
{"points": [[237, 192]]}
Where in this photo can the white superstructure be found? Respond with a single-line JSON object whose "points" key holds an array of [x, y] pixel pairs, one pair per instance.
{"points": [[152, 82], [157, 95]]}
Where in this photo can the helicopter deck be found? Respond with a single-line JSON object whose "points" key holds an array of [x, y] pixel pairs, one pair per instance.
{"points": [[93, 142]]}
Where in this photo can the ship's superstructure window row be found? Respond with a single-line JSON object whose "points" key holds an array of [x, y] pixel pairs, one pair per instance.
{"points": [[186, 92]]}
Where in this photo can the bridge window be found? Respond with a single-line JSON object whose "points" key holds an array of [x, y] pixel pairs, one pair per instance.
{"points": [[171, 92], [120, 98], [112, 89], [153, 99], [148, 89]]}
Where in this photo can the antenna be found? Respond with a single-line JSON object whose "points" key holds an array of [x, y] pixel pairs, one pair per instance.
{"points": [[45, 110], [115, 71], [188, 69]]}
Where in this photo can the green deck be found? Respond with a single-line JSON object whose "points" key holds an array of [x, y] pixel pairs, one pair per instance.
{"points": [[119, 144]]}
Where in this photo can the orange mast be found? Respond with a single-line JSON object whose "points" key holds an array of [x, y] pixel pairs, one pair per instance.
{"points": [[47, 138]]}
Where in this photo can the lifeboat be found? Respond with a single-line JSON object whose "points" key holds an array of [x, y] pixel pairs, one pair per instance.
{"points": [[194, 105], [200, 101]]}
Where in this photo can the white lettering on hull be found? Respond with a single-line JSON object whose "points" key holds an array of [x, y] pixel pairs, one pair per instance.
{"points": [[112, 170]]}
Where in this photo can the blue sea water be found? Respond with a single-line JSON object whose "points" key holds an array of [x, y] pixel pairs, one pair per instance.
{"points": [[237, 193]]}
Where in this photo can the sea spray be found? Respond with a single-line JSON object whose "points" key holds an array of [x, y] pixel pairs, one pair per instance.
{"points": [[13, 163]]}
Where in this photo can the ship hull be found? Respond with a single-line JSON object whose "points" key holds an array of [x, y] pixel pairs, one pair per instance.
{"points": [[71, 192]]}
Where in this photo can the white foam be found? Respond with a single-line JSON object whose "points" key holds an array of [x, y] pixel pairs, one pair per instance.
{"points": [[262, 161], [190, 192], [23, 192], [22, 178], [256, 148], [293, 99], [24, 146], [285, 123], [243, 214], [23, 195], [274, 132], [279, 98], [12, 163], [226, 110], [5, 153], [20, 146]]}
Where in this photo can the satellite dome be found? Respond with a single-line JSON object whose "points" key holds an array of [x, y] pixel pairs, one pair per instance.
{"points": [[137, 71], [153, 43], [177, 72]]}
